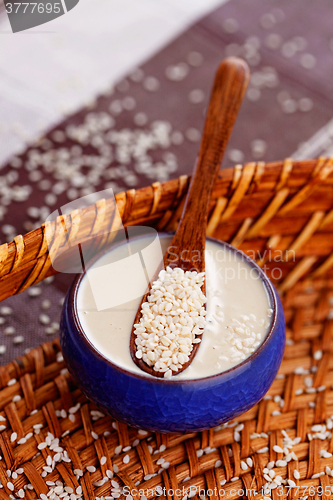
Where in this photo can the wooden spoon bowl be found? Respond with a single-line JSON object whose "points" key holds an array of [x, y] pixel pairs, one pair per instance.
{"points": [[187, 249]]}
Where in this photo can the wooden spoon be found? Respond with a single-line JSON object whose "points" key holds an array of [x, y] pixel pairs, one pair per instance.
{"points": [[188, 243]]}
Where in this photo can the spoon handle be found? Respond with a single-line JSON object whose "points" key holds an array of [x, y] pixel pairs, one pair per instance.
{"points": [[230, 83]]}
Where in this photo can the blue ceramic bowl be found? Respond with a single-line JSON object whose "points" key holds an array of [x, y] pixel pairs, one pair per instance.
{"points": [[174, 406]]}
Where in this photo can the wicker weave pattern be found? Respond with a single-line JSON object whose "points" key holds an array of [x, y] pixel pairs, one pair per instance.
{"points": [[45, 387], [278, 207], [283, 207]]}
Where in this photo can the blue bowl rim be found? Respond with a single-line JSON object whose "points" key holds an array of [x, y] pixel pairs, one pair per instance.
{"points": [[72, 300]]}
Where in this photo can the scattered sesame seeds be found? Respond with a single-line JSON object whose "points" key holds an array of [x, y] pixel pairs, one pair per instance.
{"points": [[305, 104], [9, 330], [75, 408]]}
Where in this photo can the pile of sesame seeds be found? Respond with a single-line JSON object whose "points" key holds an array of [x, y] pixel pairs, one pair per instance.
{"points": [[172, 319]]}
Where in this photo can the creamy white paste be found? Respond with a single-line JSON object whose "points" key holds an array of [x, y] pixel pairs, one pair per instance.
{"points": [[238, 309]]}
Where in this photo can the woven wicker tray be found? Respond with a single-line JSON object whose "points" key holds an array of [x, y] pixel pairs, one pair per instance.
{"points": [[282, 215]]}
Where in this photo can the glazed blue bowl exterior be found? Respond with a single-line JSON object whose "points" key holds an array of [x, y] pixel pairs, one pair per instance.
{"points": [[172, 406]]}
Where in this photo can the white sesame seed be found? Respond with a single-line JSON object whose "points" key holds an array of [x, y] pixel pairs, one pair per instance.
{"points": [[296, 474], [316, 476], [308, 61], [91, 468], [140, 119], [9, 330], [193, 134], [44, 319], [13, 437], [177, 72], [46, 304], [6, 311], [305, 104], [18, 339], [196, 96], [151, 83], [236, 156], [195, 59], [281, 463]]}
